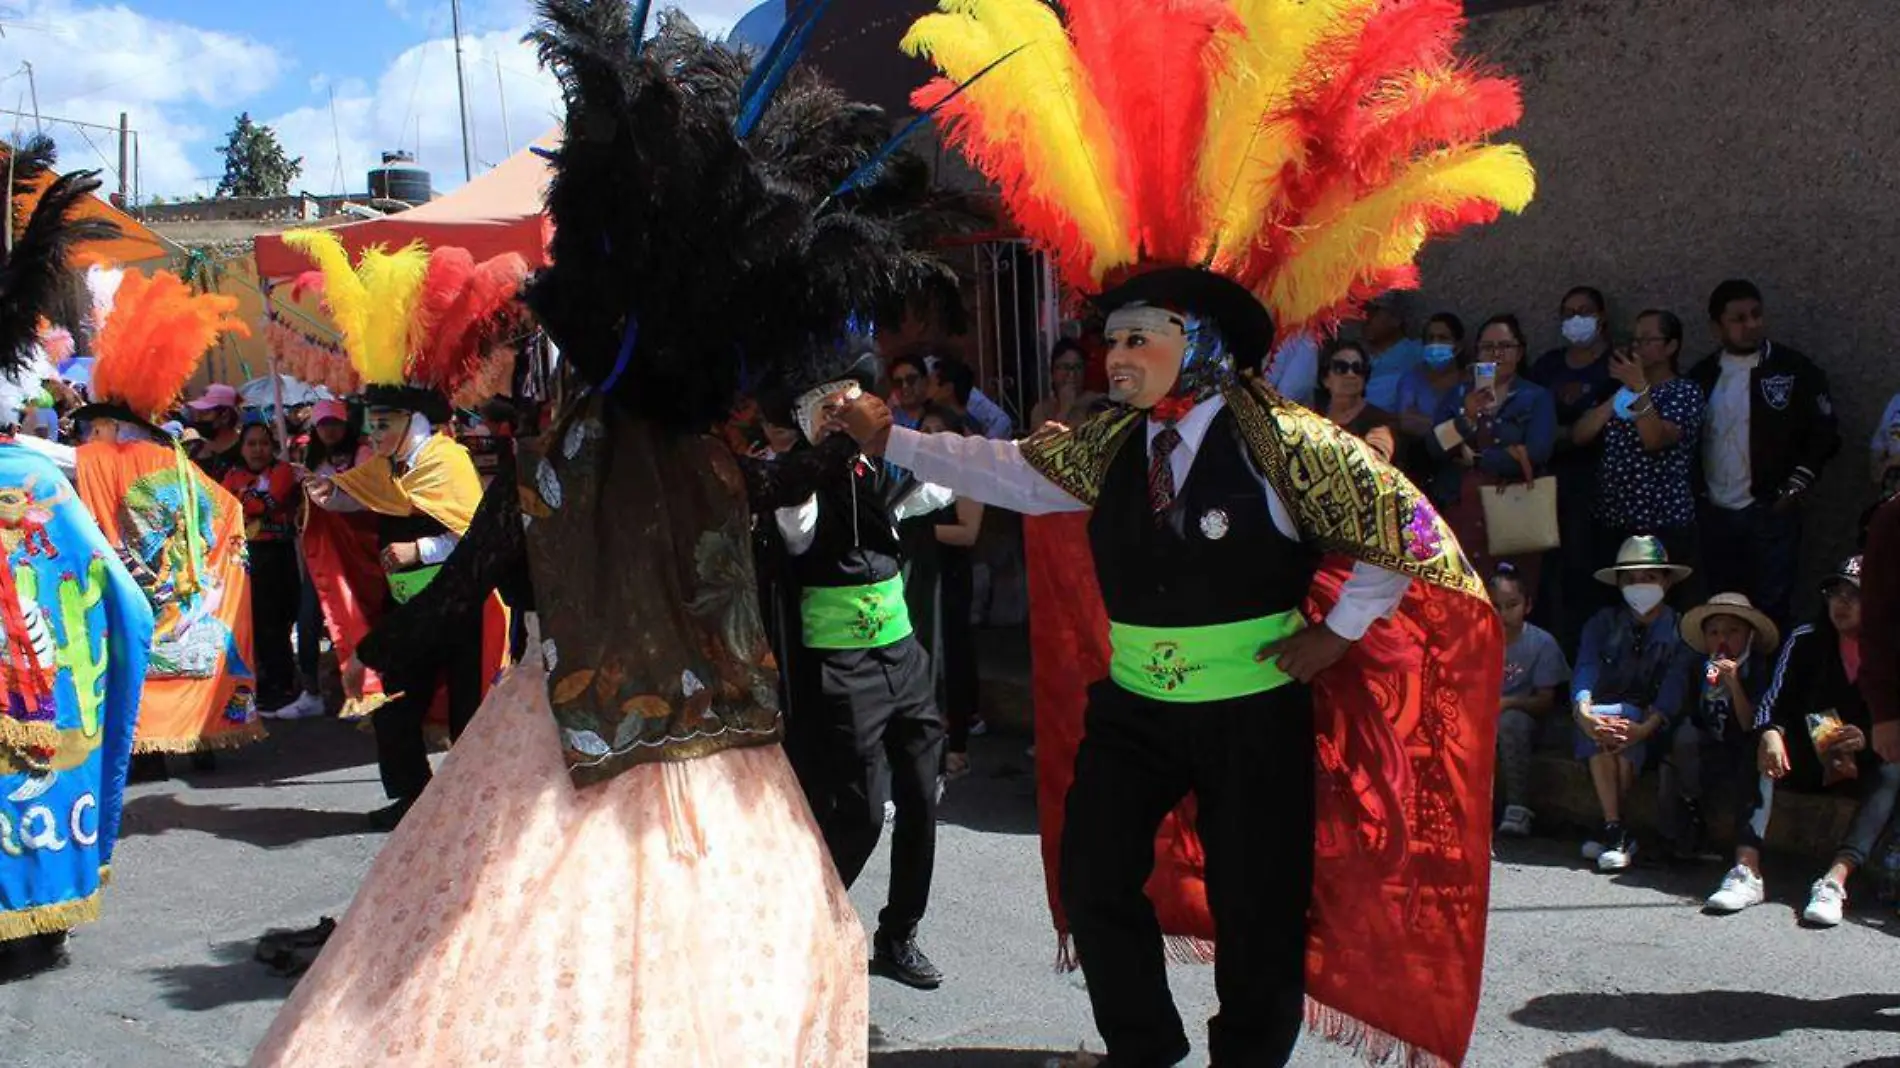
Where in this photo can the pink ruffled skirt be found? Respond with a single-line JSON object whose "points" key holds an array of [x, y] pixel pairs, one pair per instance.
{"points": [[680, 915]]}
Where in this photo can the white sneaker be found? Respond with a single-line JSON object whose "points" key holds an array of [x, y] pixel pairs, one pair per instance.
{"points": [[890, 812], [307, 706], [1592, 849], [1517, 821], [1617, 855], [1740, 889], [1825, 903]]}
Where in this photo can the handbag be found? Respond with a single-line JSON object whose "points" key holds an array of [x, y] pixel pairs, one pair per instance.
{"points": [[1521, 517]]}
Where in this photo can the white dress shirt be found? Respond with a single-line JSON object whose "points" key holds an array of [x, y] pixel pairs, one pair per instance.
{"points": [[995, 473], [1725, 451], [798, 523]]}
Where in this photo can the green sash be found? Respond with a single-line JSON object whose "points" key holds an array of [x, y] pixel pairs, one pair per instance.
{"points": [[404, 585], [1188, 665], [855, 617]]}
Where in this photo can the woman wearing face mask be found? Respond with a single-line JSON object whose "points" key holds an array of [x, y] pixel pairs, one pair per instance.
{"points": [[1494, 429], [1424, 388], [1632, 672], [1342, 396], [1578, 376]]}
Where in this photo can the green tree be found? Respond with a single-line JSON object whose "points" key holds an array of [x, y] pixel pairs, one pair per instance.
{"points": [[254, 163]]}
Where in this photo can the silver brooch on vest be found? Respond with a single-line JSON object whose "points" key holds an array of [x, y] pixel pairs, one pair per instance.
{"points": [[1214, 524]]}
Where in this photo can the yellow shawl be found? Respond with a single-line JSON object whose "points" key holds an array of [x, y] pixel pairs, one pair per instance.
{"points": [[441, 484]]}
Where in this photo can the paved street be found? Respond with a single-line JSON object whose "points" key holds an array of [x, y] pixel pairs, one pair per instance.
{"points": [[1584, 972]]}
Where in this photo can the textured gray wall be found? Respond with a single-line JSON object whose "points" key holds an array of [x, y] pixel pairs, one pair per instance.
{"points": [[1680, 142]]}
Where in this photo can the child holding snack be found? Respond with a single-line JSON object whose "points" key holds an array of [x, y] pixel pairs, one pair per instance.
{"points": [[1713, 741], [1815, 737]]}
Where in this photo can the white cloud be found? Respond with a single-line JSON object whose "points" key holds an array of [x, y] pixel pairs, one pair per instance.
{"points": [[93, 61], [413, 103]]}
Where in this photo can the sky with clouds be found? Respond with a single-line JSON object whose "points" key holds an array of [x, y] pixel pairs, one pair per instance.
{"points": [[340, 80]]}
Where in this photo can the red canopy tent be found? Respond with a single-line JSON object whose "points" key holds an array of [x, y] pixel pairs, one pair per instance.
{"points": [[500, 211]]}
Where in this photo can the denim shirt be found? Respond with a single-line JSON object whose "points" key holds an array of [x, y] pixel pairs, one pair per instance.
{"points": [[1528, 417], [1617, 665]]}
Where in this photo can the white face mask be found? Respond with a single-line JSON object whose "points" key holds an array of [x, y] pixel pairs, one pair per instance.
{"points": [[1642, 598], [1580, 329]]}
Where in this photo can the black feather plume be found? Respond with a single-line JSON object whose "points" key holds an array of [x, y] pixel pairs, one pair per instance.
{"points": [[35, 273], [714, 253]]}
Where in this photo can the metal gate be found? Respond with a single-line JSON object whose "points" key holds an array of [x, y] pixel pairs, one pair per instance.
{"points": [[1015, 322]]}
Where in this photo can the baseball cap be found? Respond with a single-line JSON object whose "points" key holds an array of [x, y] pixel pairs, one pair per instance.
{"points": [[215, 397], [330, 409]]}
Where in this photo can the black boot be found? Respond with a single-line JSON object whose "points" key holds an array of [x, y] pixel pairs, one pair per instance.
{"points": [[899, 958], [387, 817], [148, 767]]}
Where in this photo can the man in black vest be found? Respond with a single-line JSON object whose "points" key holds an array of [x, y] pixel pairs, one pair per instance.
{"points": [[1203, 572], [866, 714]]}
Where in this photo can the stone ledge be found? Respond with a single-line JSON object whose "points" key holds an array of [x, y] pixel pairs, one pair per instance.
{"points": [[1805, 825]]}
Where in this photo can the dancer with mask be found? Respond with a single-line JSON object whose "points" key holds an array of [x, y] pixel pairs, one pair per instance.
{"points": [[866, 698], [617, 865], [416, 324], [179, 533], [1293, 634], [78, 630]]}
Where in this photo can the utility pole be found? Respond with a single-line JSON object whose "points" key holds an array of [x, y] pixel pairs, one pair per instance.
{"points": [[461, 89], [33, 88], [502, 95], [125, 145]]}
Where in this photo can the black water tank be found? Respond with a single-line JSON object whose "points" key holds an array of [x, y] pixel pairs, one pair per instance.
{"points": [[400, 179]]}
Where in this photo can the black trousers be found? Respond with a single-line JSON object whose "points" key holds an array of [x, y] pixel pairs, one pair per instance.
{"points": [[402, 753], [276, 596], [1249, 762], [867, 728]]}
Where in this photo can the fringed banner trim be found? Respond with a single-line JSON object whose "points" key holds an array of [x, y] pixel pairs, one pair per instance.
{"points": [[204, 743], [49, 919], [1065, 955], [1367, 1042], [19, 735], [1186, 949]]}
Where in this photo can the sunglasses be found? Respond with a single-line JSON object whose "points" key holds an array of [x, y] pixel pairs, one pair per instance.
{"points": [[1347, 367], [1069, 368]]}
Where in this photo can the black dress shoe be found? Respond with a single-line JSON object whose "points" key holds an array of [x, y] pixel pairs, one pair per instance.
{"points": [[900, 959], [387, 817], [204, 760], [26, 957]]}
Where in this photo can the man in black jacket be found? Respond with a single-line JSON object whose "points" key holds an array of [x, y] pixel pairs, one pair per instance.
{"points": [[1769, 432]]}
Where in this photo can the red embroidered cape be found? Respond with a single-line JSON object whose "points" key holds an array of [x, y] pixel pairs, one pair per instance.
{"points": [[1406, 727]]}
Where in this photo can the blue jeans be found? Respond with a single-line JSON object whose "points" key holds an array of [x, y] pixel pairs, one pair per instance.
{"points": [[1753, 551]]}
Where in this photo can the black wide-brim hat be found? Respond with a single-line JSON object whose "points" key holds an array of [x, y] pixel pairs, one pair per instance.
{"points": [[425, 402], [1242, 320]]}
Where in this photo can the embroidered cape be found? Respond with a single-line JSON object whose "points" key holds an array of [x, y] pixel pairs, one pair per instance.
{"points": [[1406, 725], [181, 536], [77, 632]]}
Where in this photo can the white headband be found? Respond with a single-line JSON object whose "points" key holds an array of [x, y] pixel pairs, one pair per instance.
{"points": [[812, 400], [1145, 317]]}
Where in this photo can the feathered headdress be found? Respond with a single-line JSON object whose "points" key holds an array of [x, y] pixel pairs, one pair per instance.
{"points": [[416, 323], [715, 218], [1303, 149], [35, 257], [152, 341]]}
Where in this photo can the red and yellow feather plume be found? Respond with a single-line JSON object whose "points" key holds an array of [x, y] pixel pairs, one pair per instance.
{"points": [[472, 320], [151, 343], [1308, 149], [372, 303]]}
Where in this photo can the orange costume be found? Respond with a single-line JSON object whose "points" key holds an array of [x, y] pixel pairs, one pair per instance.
{"points": [[177, 531]]}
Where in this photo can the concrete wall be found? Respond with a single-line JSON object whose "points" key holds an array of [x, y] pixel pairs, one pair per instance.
{"points": [[1680, 142]]}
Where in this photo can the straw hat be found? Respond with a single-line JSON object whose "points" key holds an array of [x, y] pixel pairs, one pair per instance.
{"points": [[1767, 635], [1642, 553]]}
